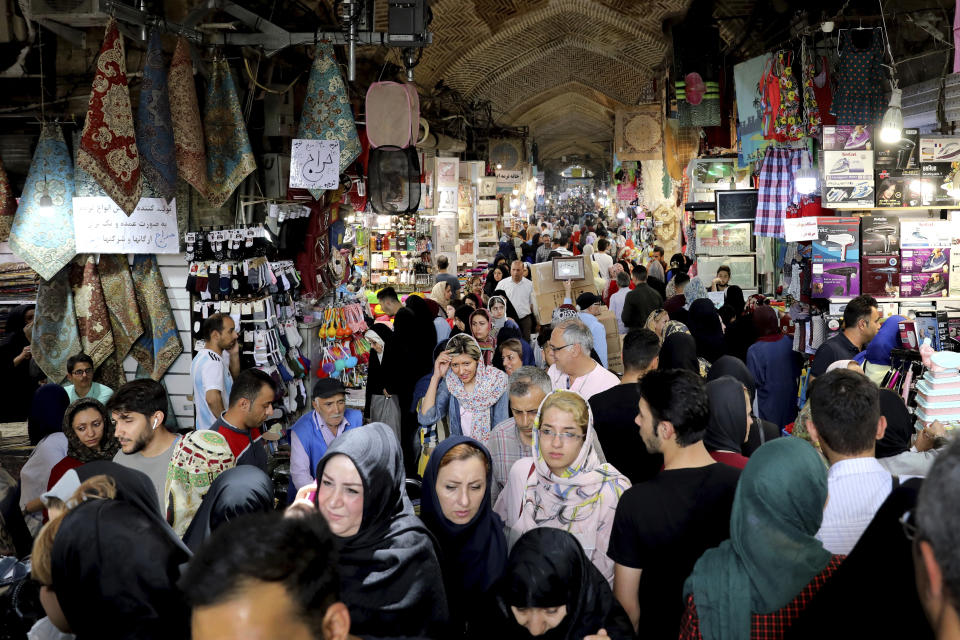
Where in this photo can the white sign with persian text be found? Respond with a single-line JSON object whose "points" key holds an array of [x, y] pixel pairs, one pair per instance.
{"points": [[314, 164], [102, 227]]}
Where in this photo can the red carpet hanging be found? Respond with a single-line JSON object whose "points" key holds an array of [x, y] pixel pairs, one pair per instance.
{"points": [[8, 205], [185, 115], [108, 145]]}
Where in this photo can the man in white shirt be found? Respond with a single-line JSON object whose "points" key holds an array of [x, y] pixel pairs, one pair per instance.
{"points": [[519, 291], [846, 422], [573, 368], [603, 260], [617, 300], [214, 367]]}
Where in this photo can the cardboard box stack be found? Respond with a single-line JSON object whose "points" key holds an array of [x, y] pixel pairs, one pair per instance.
{"points": [[548, 293]]}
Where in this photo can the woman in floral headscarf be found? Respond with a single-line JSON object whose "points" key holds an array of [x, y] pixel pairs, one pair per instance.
{"points": [[564, 485], [472, 396], [660, 323]]}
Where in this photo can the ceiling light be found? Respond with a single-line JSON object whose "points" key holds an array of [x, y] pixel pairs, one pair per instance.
{"points": [[891, 128]]}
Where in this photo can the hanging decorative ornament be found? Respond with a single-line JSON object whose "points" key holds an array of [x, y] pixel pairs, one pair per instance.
{"points": [[42, 231], [108, 145], [185, 116], [229, 155], [155, 140]]}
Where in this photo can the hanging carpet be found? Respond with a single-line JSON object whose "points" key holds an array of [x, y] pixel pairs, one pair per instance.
{"points": [[160, 343], [155, 140], [185, 115], [119, 293], [55, 335], [93, 319], [44, 239], [8, 205], [108, 145], [229, 155]]}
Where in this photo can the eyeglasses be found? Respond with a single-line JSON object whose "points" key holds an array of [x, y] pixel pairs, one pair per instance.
{"points": [[564, 437], [553, 348], [83, 372], [910, 529]]}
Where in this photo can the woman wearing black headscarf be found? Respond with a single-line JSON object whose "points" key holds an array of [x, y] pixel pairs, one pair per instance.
{"points": [[238, 491], [455, 506], [86, 590], [19, 380], [390, 577], [494, 277], [894, 450], [739, 334], [730, 421], [553, 591], [379, 336], [704, 324], [679, 351], [762, 430], [45, 430]]}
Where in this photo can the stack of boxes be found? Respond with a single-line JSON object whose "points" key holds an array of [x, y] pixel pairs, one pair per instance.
{"points": [[836, 258], [925, 258], [548, 293], [880, 264]]}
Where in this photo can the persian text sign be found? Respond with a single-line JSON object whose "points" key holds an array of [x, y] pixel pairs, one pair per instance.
{"points": [[102, 227]]}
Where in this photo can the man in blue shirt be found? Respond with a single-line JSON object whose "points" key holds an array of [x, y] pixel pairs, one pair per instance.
{"points": [[589, 306], [317, 429]]}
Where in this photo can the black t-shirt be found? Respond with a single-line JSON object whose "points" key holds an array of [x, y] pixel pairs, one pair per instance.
{"points": [[836, 348], [614, 412], [663, 526]]}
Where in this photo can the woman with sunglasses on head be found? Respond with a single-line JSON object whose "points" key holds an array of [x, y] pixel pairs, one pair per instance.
{"points": [[564, 485]]}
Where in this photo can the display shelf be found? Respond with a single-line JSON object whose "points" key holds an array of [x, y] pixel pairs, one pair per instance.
{"points": [[836, 299], [930, 208]]}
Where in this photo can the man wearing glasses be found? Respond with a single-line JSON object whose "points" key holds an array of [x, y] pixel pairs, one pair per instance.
{"points": [[573, 368], [80, 372]]}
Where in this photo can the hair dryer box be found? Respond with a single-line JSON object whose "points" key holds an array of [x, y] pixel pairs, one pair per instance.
{"points": [[836, 279], [879, 235], [838, 240], [925, 260], [880, 275]]}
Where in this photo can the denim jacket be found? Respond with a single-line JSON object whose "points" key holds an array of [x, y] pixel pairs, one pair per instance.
{"points": [[447, 406]]}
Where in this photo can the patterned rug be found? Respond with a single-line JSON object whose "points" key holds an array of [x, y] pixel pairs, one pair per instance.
{"points": [[55, 335], [229, 155], [160, 343]]}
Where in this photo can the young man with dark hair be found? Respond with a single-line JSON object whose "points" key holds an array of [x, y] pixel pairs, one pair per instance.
{"points": [[861, 322], [936, 544], [389, 301], [722, 281], [139, 409], [615, 410], [451, 278], [251, 403], [603, 259], [214, 367], [658, 256], [664, 525], [845, 420], [80, 372], [641, 301], [288, 589], [618, 299]]}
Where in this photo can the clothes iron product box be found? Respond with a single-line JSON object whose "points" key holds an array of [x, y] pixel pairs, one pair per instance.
{"points": [[925, 285], [848, 179], [955, 266], [847, 137], [925, 234], [880, 275], [879, 235], [838, 240], [925, 260], [893, 158], [836, 279], [939, 149]]}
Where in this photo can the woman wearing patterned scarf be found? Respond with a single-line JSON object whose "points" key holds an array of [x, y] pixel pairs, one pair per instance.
{"points": [[472, 396], [198, 459], [564, 485], [90, 437]]}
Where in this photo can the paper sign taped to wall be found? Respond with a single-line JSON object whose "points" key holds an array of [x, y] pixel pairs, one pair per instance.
{"points": [[315, 164], [800, 229], [102, 227]]}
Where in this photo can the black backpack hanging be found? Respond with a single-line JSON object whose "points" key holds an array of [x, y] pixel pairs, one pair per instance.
{"points": [[394, 176]]}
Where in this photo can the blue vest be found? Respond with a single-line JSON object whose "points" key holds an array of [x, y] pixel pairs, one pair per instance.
{"points": [[314, 444]]}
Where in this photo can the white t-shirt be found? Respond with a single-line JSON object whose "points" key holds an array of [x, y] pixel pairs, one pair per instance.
{"points": [[210, 370], [604, 261], [35, 473], [520, 295]]}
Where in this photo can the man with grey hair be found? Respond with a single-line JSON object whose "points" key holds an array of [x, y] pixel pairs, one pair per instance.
{"points": [[936, 544], [512, 439], [573, 368]]}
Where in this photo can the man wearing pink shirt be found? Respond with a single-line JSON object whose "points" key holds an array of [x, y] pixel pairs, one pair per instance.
{"points": [[574, 369]]}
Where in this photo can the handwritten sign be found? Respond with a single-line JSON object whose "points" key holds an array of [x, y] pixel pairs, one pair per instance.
{"points": [[102, 227], [315, 164], [800, 229]]}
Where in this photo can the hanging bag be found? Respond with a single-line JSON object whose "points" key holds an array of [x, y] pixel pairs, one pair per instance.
{"points": [[394, 180], [393, 114]]}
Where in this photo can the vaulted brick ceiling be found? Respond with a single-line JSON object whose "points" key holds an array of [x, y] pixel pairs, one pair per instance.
{"points": [[560, 67]]}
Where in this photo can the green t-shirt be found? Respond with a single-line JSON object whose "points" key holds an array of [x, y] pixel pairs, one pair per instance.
{"points": [[99, 391]]}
